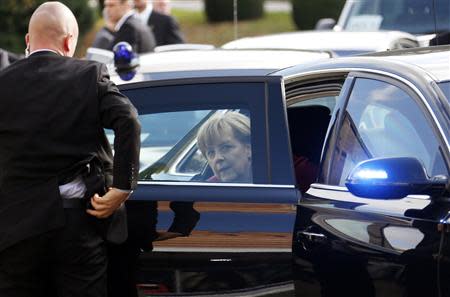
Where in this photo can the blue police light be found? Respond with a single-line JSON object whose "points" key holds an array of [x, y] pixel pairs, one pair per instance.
{"points": [[388, 178], [377, 174], [125, 60]]}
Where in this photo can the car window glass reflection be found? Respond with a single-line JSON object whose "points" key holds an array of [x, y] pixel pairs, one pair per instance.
{"points": [[216, 147], [381, 120], [160, 132]]}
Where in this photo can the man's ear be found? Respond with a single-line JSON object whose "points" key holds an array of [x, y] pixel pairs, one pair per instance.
{"points": [[68, 44]]}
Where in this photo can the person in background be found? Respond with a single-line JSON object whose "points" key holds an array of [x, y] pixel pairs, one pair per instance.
{"points": [[127, 27], [7, 58], [162, 6], [224, 140], [105, 36], [55, 160], [164, 27]]}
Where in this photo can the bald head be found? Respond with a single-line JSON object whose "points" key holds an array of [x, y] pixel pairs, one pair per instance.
{"points": [[53, 26]]}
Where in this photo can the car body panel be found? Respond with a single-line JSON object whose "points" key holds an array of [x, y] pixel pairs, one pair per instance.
{"points": [[385, 247], [239, 223], [186, 64], [341, 43]]}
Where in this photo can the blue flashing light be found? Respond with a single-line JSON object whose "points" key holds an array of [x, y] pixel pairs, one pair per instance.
{"points": [[125, 60], [371, 174], [123, 53]]}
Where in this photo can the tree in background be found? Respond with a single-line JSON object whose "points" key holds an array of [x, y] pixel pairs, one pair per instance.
{"points": [[222, 10], [306, 13], [15, 15]]}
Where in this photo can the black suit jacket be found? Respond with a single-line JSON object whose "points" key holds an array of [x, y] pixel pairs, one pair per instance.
{"points": [[53, 110], [137, 34], [165, 28]]}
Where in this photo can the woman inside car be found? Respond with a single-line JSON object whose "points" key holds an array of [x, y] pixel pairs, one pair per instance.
{"points": [[224, 140]]}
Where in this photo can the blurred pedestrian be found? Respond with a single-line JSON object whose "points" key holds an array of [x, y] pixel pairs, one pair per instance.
{"points": [[105, 36], [7, 57], [162, 6], [164, 27], [55, 158], [127, 27]]}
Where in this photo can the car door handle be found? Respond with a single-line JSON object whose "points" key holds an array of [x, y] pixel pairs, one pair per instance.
{"points": [[311, 235]]}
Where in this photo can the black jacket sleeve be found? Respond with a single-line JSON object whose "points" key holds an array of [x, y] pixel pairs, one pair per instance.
{"points": [[118, 113]]}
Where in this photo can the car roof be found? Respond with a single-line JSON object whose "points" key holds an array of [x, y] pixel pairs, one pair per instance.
{"points": [[434, 61], [217, 62], [342, 43]]}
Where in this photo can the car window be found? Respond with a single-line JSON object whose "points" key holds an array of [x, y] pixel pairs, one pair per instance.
{"points": [[327, 101], [413, 16], [306, 144], [215, 146], [382, 120], [161, 131], [445, 87]]}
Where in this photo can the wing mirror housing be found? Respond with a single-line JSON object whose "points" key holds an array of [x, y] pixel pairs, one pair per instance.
{"points": [[325, 24], [393, 178], [126, 61]]}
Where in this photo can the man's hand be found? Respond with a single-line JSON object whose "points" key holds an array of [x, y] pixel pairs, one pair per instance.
{"points": [[104, 206]]}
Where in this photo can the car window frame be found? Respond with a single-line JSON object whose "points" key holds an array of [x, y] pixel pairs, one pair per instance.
{"points": [[414, 93], [269, 190]]}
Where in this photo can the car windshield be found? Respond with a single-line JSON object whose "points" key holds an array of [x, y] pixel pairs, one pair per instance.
{"points": [[445, 87], [412, 16]]}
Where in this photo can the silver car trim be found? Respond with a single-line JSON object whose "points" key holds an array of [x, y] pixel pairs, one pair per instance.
{"points": [[221, 250], [208, 184]]}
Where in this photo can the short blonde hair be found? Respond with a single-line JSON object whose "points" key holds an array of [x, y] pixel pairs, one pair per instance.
{"points": [[221, 123]]}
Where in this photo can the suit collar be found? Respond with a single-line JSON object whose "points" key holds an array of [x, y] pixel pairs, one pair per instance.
{"points": [[124, 18], [146, 14], [43, 52]]}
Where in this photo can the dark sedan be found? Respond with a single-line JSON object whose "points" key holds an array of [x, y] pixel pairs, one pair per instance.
{"points": [[374, 133]]}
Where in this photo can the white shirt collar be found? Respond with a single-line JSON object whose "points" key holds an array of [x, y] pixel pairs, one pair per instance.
{"points": [[123, 20], [145, 14]]}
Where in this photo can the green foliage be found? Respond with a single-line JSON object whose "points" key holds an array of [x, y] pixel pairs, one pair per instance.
{"points": [[15, 15], [307, 12], [222, 10], [196, 29]]}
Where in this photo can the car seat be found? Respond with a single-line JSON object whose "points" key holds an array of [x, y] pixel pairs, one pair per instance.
{"points": [[307, 127]]}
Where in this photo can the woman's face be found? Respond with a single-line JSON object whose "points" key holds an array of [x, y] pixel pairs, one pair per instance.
{"points": [[230, 159]]}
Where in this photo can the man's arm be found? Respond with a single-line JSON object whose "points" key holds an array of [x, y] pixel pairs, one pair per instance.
{"points": [[117, 113]]}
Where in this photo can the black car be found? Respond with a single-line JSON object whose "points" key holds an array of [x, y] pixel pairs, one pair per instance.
{"points": [[374, 221]]}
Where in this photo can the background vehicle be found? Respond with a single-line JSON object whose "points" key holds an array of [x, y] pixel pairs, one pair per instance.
{"points": [[423, 18], [340, 43], [366, 26]]}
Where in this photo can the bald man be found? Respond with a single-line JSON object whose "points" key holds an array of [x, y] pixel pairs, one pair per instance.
{"points": [[55, 160]]}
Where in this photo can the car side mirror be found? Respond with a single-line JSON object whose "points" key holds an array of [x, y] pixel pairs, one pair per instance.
{"points": [[126, 61], [393, 178], [325, 24]]}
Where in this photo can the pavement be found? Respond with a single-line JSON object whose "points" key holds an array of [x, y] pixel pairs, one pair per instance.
{"points": [[196, 5]]}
